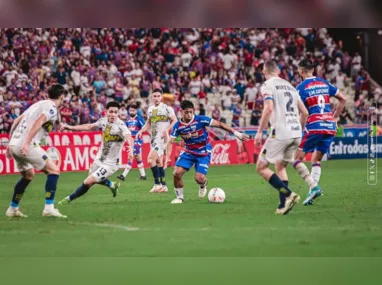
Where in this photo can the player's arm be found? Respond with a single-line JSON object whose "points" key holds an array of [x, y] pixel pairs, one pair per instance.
{"points": [[129, 139], [173, 120], [266, 115], [15, 124], [84, 127], [144, 128], [342, 101], [303, 113], [220, 125]]}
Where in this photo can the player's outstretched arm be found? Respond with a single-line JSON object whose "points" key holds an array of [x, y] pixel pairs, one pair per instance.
{"points": [[267, 112], [169, 145], [220, 125], [15, 124], [84, 127], [342, 101], [303, 113], [129, 138], [144, 128]]}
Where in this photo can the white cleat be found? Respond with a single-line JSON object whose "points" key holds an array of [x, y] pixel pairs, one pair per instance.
{"points": [[156, 189], [164, 189], [14, 213], [290, 202], [53, 212], [202, 192], [177, 201]]}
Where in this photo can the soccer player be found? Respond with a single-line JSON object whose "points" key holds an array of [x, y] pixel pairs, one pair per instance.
{"points": [[192, 129], [27, 132], [135, 123], [321, 126], [114, 135], [161, 118], [282, 107]]}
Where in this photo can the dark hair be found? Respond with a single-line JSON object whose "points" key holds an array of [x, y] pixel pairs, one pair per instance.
{"points": [[306, 64], [55, 91], [158, 90], [112, 104], [186, 104], [134, 106]]}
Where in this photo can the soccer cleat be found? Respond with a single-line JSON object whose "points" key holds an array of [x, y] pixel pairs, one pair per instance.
{"points": [[14, 212], [143, 178], [53, 212], [312, 195], [177, 201], [202, 192], [290, 201], [121, 177], [115, 189], [66, 200], [156, 189], [164, 189]]}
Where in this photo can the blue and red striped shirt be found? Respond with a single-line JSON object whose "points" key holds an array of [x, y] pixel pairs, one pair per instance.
{"points": [[315, 92], [194, 134]]}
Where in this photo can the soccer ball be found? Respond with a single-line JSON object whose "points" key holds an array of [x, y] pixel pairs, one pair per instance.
{"points": [[216, 195]]}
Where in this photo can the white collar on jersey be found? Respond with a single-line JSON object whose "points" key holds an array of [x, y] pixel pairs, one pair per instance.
{"points": [[310, 77], [193, 117]]}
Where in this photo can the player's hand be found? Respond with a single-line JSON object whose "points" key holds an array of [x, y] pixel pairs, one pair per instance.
{"points": [[138, 135], [64, 127], [25, 149], [167, 162], [258, 139], [8, 153], [245, 137]]}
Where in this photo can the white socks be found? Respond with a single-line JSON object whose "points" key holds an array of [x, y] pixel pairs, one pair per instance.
{"points": [[141, 169], [303, 171], [316, 172], [179, 193], [127, 169], [49, 206]]}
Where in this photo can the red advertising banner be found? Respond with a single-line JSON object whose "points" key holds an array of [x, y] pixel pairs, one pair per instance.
{"points": [[74, 157]]}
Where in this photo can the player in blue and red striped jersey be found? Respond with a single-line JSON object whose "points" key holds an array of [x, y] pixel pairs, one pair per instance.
{"points": [[135, 123], [192, 129], [321, 126]]}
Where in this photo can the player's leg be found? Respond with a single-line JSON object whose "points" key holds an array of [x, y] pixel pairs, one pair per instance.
{"points": [[182, 165], [307, 145], [202, 164], [280, 167], [162, 174], [321, 149], [272, 151], [152, 161], [104, 171], [126, 171], [141, 168]]}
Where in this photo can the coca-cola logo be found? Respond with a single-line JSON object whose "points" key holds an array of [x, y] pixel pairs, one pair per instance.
{"points": [[220, 154]]}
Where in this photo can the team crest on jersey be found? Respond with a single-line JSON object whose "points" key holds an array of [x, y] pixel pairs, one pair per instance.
{"points": [[108, 137], [157, 118]]}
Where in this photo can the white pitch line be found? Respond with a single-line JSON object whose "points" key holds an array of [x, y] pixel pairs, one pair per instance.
{"points": [[114, 226]]}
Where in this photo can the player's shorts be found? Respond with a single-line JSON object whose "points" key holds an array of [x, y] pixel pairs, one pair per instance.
{"points": [[159, 145], [137, 146], [279, 150], [312, 142], [187, 160], [36, 158], [101, 171]]}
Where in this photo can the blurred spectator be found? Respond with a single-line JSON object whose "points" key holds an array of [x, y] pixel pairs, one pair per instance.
{"points": [[216, 113], [256, 115], [85, 114]]}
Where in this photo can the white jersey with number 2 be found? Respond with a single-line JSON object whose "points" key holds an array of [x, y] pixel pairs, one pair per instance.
{"points": [[285, 118]]}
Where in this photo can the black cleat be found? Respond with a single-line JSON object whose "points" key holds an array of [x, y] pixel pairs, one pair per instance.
{"points": [[143, 178], [121, 177]]}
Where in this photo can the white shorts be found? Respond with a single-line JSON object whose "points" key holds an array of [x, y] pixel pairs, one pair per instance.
{"points": [[36, 158], [101, 171], [159, 145], [279, 150]]}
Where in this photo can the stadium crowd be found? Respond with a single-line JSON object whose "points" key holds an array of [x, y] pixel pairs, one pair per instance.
{"points": [[218, 69]]}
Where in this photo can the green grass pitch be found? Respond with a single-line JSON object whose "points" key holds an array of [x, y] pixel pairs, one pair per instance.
{"points": [[345, 222]]}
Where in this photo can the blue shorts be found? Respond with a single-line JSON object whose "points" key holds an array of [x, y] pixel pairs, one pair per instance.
{"points": [[187, 160], [312, 142], [137, 146]]}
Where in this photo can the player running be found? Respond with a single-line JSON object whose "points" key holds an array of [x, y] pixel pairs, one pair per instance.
{"points": [[27, 132], [135, 123], [161, 118], [114, 135], [282, 106], [192, 129], [321, 126]]}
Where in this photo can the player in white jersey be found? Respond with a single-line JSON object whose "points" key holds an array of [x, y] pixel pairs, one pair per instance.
{"points": [[161, 118], [286, 113], [114, 135], [27, 132]]}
